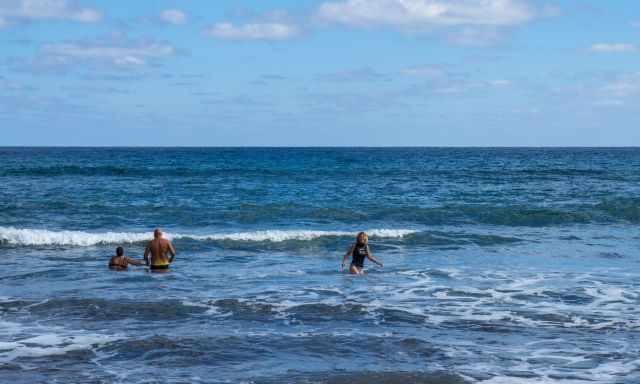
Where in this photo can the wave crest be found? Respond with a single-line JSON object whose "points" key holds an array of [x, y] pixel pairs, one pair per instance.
{"points": [[42, 237]]}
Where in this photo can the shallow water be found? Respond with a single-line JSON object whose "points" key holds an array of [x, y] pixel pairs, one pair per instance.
{"points": [[501, 266]]}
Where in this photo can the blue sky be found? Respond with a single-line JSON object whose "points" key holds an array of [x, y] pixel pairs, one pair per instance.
{"points": [[317, 73]]}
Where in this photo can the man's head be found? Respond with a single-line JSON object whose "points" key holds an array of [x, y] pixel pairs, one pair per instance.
{"points": [[119, 251], [157, 233]]}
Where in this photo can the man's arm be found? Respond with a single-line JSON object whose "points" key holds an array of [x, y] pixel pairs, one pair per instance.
{"points": [[346, 256], [370, 257], [172, 251], [146, 254]]}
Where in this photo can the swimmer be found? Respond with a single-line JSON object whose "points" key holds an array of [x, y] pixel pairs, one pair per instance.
{"points": [[120, 262], [159, 248], [358, 252]]}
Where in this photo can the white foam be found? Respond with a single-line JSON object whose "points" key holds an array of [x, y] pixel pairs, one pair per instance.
{"points": [[50, 344], [16, 236], [286, 235], [520, 380], [40, 237], [20, 341], [9, 328]]}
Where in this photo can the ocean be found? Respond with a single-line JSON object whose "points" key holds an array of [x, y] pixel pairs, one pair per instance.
{"points": [[501, 265]]}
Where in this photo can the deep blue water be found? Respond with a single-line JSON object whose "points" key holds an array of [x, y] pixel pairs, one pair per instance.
{"points": [[501, 266]]}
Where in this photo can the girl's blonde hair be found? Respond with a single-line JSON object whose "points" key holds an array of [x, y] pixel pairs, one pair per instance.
{"points": [[364, 235]]}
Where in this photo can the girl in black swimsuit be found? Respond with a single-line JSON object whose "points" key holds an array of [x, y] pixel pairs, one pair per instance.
{"points": [[359, 251]]}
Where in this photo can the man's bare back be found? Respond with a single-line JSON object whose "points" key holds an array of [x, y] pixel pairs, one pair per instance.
{"points": [[159, 249]]}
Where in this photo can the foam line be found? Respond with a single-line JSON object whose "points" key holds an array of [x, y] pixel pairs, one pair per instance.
{"points": [[41, 237]]}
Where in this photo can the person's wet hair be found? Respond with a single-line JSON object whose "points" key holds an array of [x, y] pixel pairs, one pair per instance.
{"points": [[119, 251], [363, 236]]}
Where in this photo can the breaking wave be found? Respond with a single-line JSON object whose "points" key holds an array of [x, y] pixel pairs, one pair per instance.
{"points": [[41, 237]]}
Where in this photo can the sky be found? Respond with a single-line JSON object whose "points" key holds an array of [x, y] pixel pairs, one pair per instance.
{"points": [[319, 73]]}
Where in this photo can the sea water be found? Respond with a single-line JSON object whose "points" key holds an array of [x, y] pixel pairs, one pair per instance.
{"points": [[500, 265]]}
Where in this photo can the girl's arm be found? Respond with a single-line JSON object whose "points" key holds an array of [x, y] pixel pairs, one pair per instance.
{"points": [[346, 256], [135, 262], [372, 258], [147, 250]]}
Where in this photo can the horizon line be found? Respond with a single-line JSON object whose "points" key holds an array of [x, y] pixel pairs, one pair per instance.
{"points": [[317, 147]]}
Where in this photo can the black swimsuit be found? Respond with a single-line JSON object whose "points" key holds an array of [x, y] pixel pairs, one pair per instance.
{"points": [[358, 254], [159, 267]]}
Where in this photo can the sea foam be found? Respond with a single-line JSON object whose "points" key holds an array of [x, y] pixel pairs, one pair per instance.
{"points": [[41, 237]]}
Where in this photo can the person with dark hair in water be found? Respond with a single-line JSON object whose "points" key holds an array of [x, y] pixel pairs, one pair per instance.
{"points": [[159, 248], [120, 262], [359, 251]]}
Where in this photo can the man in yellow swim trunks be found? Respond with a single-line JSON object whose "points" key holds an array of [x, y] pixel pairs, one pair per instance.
{"points": [[159, 248]]}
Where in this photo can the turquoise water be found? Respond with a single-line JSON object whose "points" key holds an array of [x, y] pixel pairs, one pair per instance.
{"points": [[501, 265]]}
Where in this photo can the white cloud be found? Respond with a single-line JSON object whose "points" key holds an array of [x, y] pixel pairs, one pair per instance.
{"points": [[427, 71], [613, 48], [499, 83], [119, 54], [550, 10], [608, 103], [472, 36], [441, 80], [12, 11], [365, 75], [623, 86], [611, 90], [453, 86], [253, 31], [426, 13], [173, 16]]}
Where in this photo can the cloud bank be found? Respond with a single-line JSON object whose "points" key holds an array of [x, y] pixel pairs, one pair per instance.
{"points": [[16, 11], [254, 31], [173, 16], [426, 13], [116, 54], [613, 48], [106, 54]]}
